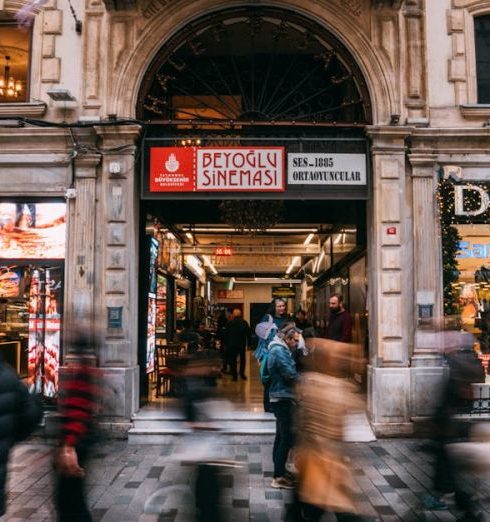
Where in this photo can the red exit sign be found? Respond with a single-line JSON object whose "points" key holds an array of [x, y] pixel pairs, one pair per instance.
{"points": [[223, 251]]}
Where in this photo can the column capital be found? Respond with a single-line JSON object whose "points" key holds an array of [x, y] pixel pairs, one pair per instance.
{"points": [[116, 135], [86, 166], [388, 138]]}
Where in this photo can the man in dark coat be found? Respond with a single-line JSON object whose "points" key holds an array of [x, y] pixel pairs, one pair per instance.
{"points": [[339, 326], [19, 414], [237, 337]]}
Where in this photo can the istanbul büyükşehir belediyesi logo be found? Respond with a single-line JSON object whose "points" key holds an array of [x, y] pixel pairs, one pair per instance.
{"points": [[172, 164]]}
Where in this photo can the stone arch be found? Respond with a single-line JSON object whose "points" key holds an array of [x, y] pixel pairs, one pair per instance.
{"points": [[127, 82]]}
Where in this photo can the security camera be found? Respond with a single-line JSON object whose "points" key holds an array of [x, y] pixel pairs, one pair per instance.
{"points": [[71, 193]]}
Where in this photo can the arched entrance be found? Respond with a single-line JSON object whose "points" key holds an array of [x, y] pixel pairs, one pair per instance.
{"points": [[261, 77], [251, 66]]}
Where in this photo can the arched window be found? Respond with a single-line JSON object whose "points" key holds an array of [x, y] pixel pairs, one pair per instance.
{"points": [[482, 52], [254, 64], [15, 46]]}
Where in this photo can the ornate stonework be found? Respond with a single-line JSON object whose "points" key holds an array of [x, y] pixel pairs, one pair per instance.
{"points": [[354, 6], [462, 64], [52, 27]]}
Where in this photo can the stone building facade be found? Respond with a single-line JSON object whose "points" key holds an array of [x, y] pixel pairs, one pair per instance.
{"points": [[417, 58]]}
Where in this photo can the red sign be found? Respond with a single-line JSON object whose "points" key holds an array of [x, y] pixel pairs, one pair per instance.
{"points": [[223, 251], [391, 231], [216, 169], [171, 169]]}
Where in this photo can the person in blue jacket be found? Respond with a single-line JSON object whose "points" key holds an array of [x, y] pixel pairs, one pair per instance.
{"points": [[282, 377]]}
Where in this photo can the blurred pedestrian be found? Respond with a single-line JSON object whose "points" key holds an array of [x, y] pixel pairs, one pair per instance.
{"points": [[190, 336], [465, 369], [282, 378], [77, 407], [339, 327], [301, 321], [20, 413], [324, 397], [237, 338], [206, 336]]}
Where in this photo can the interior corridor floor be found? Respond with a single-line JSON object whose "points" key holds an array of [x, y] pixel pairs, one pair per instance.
{"points": [[245, 395]]}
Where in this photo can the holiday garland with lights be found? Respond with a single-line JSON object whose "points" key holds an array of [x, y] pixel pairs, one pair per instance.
{"points": [[449, 233]]}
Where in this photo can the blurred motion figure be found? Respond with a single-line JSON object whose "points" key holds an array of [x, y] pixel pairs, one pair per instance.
{"points": [[324, 397], [77, 408], [19, 414]]}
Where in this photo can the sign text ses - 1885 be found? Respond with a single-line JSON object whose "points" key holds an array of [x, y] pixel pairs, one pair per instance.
{"points": [[326, 169]]}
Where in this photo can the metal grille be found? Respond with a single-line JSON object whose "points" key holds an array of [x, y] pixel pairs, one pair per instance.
{"points": [[251, 66]]}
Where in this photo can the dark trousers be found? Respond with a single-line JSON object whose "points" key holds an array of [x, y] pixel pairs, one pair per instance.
{"points": [[284, 439], [233, 354], [70, 496]]}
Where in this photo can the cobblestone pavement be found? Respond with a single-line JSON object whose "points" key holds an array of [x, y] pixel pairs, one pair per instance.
{"points": [[149, 483]]}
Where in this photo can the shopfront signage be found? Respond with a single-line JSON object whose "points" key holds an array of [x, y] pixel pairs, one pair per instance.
{"points": [[477, 193], [469, 250], [283, 291], [230, 294], [223, 251], [326, 169], [217, 169]]}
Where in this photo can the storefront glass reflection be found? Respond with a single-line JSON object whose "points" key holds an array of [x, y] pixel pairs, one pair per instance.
{"points": [[473, 286]]}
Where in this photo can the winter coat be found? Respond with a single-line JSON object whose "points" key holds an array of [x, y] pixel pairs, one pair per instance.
{"points": [[19, 414], [324, 477], [282, 370], [237, 335]]}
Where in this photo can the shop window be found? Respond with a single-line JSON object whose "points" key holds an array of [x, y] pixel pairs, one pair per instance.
{"points": [[32, 252], [14, 62], [465, 238], [482, 51]]}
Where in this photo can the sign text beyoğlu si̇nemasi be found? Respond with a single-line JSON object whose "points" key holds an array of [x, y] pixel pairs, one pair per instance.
{"points": [[241, 168], [326, 169]]}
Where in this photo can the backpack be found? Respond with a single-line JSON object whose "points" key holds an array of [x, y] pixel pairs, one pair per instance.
{"points": [[264, 370], [265, 331]]}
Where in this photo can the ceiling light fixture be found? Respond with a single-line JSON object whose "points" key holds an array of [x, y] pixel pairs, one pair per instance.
{"points": [[210, 265], [230, 230], [251, 216], [9, 86], [308, 239], [296, 259], [265, 280]]}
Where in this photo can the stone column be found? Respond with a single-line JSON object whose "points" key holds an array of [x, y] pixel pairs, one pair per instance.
{"points": [[80, 272], [117, 301], [390, 284], [427, 368]]}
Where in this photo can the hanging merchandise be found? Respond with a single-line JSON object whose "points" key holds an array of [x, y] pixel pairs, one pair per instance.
{"points": [[44, 333]]}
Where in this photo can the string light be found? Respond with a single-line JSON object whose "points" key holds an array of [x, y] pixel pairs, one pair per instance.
{"points": [[445, 198]]}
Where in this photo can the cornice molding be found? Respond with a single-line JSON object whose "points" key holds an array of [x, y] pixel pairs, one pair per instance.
{"points": [[22, 109], [475, 110]]}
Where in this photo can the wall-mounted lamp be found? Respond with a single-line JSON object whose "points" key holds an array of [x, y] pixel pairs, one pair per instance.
{"points": [[60, 95]]}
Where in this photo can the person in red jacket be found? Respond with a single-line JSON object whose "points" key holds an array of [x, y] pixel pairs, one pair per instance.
{"points": [[339, 326], [77, 407]]}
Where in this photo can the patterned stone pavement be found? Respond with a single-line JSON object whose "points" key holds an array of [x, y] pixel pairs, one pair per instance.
{"points": [[149, 483]]}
